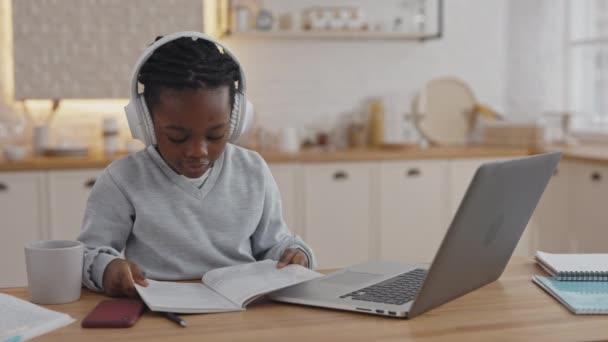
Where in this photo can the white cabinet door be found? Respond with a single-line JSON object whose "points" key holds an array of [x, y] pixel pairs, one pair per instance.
{"points": [[338, 214], [286, 175], [67, 199], [590, 198], [553, 214], [23, 218], [413, 209], [461, 174]]}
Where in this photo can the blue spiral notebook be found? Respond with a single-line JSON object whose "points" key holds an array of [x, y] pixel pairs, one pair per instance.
{"points": [[581, 297]]}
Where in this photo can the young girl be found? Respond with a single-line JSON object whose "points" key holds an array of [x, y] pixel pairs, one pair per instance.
{"points": [[191, 201]]}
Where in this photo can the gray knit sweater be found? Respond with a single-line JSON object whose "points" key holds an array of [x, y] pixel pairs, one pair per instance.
{"points": [[174, 230]]}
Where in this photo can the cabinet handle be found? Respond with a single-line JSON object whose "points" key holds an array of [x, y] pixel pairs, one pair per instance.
{"points": [[340, 175], [89, 184], [596, 177], [3, 187], [413, 172]]}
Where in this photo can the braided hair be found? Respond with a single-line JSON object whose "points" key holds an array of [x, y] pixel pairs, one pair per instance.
{"points": [[187, 63]]}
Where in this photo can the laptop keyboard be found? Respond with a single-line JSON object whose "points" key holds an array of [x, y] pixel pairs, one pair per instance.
{"points": [[397, 290]]}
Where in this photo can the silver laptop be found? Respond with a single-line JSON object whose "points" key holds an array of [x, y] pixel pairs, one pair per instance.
{"points": [[474, 252]]}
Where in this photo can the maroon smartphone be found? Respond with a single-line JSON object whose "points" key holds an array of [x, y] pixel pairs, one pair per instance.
{"points": [[114, 313]]}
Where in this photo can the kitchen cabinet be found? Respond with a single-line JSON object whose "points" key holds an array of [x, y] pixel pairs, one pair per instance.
{"points": [[347, 212], [337, 200], [461, 173], [553, 216], [590, 208], [413, 209], [286, 175], [68, 192], [22, 210]]}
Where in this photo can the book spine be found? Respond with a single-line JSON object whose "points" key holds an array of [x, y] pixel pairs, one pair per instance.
{"points": [[582, 276]]}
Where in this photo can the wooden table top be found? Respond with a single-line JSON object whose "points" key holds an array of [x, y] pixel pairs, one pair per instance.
{"points": [[512, 308]]}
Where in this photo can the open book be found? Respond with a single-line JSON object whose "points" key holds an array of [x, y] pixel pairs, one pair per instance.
{"points": [[580, 297], [578, 267], [21, 320], [224, 289]]}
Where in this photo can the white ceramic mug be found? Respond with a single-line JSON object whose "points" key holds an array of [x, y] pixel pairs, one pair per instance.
{"points": [[54, 270]]}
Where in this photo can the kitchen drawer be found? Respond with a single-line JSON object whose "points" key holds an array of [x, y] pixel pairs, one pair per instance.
{"points": [[68, 192]]}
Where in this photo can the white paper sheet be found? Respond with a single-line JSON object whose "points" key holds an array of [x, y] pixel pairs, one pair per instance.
{"points": [[22, 318]]}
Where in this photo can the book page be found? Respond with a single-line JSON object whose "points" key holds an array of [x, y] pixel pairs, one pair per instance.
{"points": [[574, 262], [241, 283], [183, 298], [22, 318]]}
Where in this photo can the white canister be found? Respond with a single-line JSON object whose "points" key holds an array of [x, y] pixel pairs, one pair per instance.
{"points": [[241, 21], [320, 19], [356, 21], [41, 139], [289, 141], [111, 140], [337, 21]]}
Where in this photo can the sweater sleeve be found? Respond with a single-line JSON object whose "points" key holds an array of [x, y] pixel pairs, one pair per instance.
{"points": [[272, 235], [107, 224]]}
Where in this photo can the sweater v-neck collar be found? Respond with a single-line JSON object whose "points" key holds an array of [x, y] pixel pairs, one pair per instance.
{"points": [[182, 183]]}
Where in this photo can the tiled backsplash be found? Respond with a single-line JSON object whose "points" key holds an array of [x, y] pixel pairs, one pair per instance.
{"points": [[86, 48]]}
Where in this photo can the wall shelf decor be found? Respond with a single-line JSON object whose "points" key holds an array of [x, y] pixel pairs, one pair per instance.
{"points": [[417, 20]]}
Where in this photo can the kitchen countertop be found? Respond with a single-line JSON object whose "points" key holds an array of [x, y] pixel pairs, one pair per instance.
{"points": [[586, 153], [407, 153], [596, 154]]}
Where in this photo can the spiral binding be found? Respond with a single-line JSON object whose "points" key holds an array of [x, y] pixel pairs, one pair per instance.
{"points": [[582, 275]]}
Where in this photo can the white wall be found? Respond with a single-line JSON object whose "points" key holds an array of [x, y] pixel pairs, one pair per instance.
{"points": [[312, 82], [535, 80], [509, 51]]}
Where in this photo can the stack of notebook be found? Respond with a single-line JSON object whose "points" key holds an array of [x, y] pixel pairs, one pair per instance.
{"points": [[578, 281]]}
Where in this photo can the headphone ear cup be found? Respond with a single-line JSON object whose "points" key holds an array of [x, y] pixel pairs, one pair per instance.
{"points": [[133, 120], [235, 118], [247, 117], [241, 119], [147, 123]]}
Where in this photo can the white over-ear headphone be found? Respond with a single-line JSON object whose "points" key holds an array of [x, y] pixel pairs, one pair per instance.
{"points": [[138, 115]]}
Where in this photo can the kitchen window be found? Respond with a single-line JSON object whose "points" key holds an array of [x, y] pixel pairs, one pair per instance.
{"points": [[587, 65]]}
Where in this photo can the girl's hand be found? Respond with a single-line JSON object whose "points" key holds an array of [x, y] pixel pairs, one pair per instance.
{"points": [[292, 256], [120, 277]]}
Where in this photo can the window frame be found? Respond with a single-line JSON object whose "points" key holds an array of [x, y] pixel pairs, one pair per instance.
{"points": [[587, 121]]}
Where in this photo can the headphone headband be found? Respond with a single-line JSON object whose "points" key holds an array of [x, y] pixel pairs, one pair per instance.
{"points": [[173, 36], [138, 115]]}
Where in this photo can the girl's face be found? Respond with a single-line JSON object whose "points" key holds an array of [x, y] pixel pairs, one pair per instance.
{"points": [[191, 128]]}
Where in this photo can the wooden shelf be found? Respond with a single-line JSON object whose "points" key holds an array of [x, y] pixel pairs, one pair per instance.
{"points": [[225, 26], [330, 35]]}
